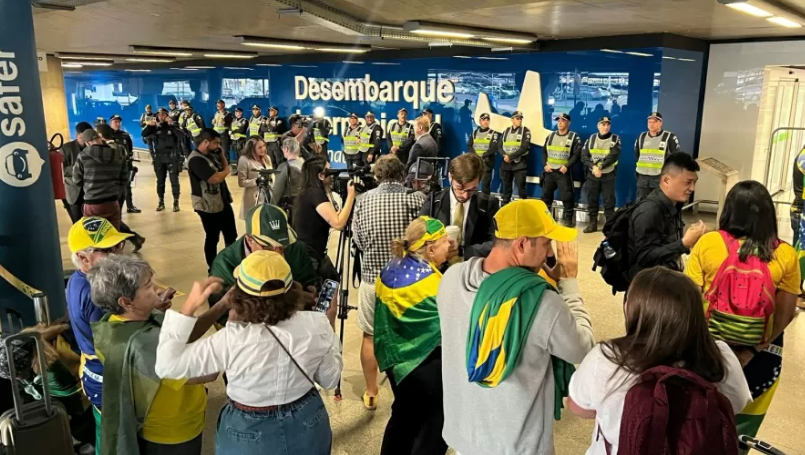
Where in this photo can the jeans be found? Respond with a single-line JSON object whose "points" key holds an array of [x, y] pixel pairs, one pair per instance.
{"points": [[302, 427], [214, 225]]}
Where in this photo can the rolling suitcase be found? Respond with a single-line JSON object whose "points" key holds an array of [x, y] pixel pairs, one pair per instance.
{"points": [[756, 445], [41, 427]]}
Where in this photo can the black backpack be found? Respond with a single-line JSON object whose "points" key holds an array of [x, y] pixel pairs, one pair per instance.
{"points": [[612, 255]]}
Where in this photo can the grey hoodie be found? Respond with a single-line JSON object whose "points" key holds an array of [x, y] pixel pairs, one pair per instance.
{"points": [[516, 417], [101, 171]]}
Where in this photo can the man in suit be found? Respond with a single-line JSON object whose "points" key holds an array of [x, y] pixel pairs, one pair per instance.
{"points": [[425, 145], [464, 206], [74, 199]]}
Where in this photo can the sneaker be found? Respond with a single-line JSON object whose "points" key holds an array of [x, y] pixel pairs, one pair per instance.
{"points": [[592, 227], [133, 209], [370, 402], [137, 241], [161, 206], [176, 206]]}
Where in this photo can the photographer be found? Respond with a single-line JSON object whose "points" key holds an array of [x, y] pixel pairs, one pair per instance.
{"points": [[253, 160], [168, 139], [315, 213], [318, 132], [288, 179], [381, 215]]}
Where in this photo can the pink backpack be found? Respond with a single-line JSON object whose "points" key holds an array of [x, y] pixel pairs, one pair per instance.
{"points": [[742, 298]]}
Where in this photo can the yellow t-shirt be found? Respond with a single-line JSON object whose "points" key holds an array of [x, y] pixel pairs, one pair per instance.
{"points": [[711, 251], [177, 413]]}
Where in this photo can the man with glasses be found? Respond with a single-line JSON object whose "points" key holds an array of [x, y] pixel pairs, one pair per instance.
{"points": [[463, 206]]}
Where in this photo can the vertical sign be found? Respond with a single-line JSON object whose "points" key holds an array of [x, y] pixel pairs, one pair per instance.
{"points": [[29, 239]]}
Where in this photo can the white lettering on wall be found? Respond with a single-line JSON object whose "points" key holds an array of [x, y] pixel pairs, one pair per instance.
{"points": [[414, 92]]}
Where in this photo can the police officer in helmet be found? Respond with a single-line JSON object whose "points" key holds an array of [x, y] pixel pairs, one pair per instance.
{"points": [[168, 139]]}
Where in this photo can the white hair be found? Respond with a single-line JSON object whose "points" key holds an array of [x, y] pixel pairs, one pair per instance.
{"points": [[291, 145], [77, 260], [117, 276]]}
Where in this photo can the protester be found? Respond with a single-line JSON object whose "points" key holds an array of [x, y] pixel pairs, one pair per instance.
{"points": [[208, 168], [315, 214], [664, 327], [655, 228], [381, 215], [167, 416], [100, 171], [253, 160], [508, 404], [74, 195], [271, 351], [288, 179], [407, 338], [749, 221]]}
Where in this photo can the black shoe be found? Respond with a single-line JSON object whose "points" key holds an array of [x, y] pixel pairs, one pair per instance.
{"points": [[176, 206], [570, 222], [592, 227], [161, 205], [133, 209], [137, 241]]}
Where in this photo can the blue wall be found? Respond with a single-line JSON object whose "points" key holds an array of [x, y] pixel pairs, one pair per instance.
{"points": [[586, 84]]}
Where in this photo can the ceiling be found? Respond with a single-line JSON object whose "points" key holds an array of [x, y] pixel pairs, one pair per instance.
{"points": [[110, 26]]}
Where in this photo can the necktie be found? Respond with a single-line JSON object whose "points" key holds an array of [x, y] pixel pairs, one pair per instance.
{"points": [[458, 220]]}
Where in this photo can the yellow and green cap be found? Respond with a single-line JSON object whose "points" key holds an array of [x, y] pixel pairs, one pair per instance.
{"points": [[434, 230], [529, 218], [261, 267], [268, 224], [93, 232]]}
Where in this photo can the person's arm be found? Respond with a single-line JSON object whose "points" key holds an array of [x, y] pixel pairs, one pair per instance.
{"points": [[575, 152], [329, 370], [734, 386], [200, 122], [673, 145], [358, 233], [78, 173], [243, 174], [375, 139], [148, 130], [614, 154], [637, 148], [199, 167], [587, 387], [798, 181], [470, 148], [545, 166], [693, 268], [416, 151], [525, 145], [485, 247], [438, 133], [425, 210], [206, 320], [785, 308], [586, 156], [408, 142], [337, 220], [650, 248], [301, 267], [493, 146]]}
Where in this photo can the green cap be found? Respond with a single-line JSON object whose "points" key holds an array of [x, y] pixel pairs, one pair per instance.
{"points": [[268, 224]]}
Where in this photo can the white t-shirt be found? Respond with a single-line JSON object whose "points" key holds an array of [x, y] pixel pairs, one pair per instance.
{"points": [[593, 387]]}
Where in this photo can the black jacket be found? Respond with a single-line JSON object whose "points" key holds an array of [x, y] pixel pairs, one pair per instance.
{"points": [[655, 234], [437, 134], [405, 148], [612, 158], [168, 141], [517, 162], [493, 144], [796, 205], [480, 228], [424, 147]]}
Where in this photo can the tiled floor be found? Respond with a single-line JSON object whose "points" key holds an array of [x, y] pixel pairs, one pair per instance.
{"points": [[174, 249]]}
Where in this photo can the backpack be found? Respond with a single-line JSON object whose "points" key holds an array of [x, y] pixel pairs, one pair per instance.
{"points": [[742, 298], [672, 411], [612, 255]]}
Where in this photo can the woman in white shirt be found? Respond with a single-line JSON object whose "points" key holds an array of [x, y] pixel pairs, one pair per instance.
{"points": [[253, 159], [665, 326], [271, 351]]}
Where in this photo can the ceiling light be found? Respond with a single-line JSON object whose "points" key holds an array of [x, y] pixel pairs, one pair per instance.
{"points": [[84, 63], [385, 64], [71, 65], [508, 40], [303, 66], [271, 43], [502, 49], [429, 32], [461, 56], [352, 62], [53, 7], [612, 51], [462, 32], [201, 67], [237, 68], [665, 57], [268, 64], [491, 58], [346, 50], [440, 44], [289, 11], [229, 54], [751, 10], [290, 47], [785, 22], [150, 60], [89, 57], [171, 52], [686, 60], [139, 71], [185, 69], [640, 54]]}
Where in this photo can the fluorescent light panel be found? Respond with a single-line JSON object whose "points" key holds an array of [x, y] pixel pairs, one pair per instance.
{"points": [[444, 34], [267, 64], [225, 54], [200, 67], [288, 47], [751, 10], [491, 58], [238, 68], [612, 51], [507, 40], [352, 62], [150, 60], [83, 63], [185, 69], [665, 57], [440, 44], [342, 50], [71, 65], [784, 22], [461, 32], [168, 51], [640, 54], [139, 71], [85, 57], [461, 56], [385, 64]]}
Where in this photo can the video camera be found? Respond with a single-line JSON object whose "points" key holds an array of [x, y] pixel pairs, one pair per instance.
{"points": [[356, 175], [264, 176]]}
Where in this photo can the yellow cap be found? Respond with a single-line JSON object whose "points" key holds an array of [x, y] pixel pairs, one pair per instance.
{"points": [[261, 267], [93, 232], [529, 218]]}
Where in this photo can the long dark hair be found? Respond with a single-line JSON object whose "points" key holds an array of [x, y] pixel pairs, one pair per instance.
{"points": [[311, 170], [272, 310], [749, 213], [665, 325]]}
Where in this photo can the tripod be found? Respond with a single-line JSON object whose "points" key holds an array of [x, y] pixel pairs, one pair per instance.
{"points": [[342, 266]]}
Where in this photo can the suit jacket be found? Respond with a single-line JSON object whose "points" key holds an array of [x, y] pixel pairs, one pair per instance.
{"points": [[424, 146], [70, 150], [479, 232]]}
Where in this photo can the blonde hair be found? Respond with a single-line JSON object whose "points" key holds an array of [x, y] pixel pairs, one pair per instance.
{"points": [[424, 122], [250, 149], [415, 231]]}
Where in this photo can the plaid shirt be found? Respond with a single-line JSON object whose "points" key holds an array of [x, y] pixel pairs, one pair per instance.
{"points": [[381, 215]]}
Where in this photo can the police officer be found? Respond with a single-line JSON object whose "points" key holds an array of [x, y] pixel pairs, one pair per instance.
{"points": [[435, 128], [600, 156], [400, 136], [124, 142], [191, 123], [371, 135], [168, 145], [221, 122], [145, 117], [485, 142], [238, 132], [515, 145], [318, 132], [272, 129], [651, 149], [561, 151], [174, 112], [256, 121], [351, 138]]}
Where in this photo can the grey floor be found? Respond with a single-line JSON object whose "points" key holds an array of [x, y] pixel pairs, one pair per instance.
{"points": [[174, 249]]}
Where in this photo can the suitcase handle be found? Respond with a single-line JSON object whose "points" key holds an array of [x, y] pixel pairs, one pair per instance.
{"points": [[15, 387], [760, 446]]}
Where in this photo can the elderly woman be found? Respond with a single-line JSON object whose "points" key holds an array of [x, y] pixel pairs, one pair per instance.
{"points": [[288, 180], [167, 416], [407, 338], [254, 159], [272, 351]]}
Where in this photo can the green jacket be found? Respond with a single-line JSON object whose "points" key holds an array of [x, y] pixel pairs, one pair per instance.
{"points": [[227, 260]]}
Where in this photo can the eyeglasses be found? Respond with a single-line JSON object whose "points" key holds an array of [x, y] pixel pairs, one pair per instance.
{"points": [[465, 191]]}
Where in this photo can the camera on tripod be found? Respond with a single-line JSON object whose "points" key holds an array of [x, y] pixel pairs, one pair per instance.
{"points": [[264, 184], [342, 177]]}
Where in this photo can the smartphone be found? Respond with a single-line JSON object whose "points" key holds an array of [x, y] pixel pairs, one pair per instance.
{"points": [[326, 296]]}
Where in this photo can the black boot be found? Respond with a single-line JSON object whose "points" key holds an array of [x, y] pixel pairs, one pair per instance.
{"points": [[137, 241], [176, 205], [161, 205], [570, 221], [132, 208], [592, 227]]}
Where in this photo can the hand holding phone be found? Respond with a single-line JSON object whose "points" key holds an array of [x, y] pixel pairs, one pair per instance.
{"points": [[329, 288]]}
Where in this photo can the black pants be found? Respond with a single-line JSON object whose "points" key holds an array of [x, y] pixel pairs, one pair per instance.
{"points": [[162, 171], [564, 182], [74, 211], [795, 226], [238, 145], [356, 160], [151, 142], [595, 187], [507, 176], [214, 225], [646, 184], [192, 447], [275, 153], [486, 180], [417, 415]]}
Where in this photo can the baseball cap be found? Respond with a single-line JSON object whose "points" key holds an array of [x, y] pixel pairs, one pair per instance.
{"points": [[116, 117], [604, 119], [162, 109], [89, 135], [147, 105], [517, 114], [261, 267], [368, 113], [93, 232], [562, 116], [220, 101], [273, 108], [655, 115], [353, 115], [484, 116], [172, 102], [268, 224], [427, 111], [255, 107], [402, 109], [529, 218], [238, 109], [425, 171], [186, 105]]}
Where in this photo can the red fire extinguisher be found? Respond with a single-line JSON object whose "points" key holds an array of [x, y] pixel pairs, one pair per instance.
{"points": [[56, 167]]}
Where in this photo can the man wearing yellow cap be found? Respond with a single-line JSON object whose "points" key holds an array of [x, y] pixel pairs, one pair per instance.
{"points": [[509, 338]]}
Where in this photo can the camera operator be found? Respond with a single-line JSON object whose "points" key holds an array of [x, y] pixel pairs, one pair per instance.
{"points": [[168, 140], [288, 179], [381, 215], [318, 132], [254, 159], [315, 213]]}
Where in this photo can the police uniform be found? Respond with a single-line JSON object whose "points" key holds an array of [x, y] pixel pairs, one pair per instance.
{"points": [[221, 122], [603, 152], [238, 133], [561, 150], [272, 130], [168, 156], [318, 131], [650, 154], [125, 143], [371, 135], [435, 129], [485, 142], [351, 138], [145, 117], [174, 114], [514, 143], [401, 136], [256, 122], [192, 125]]}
